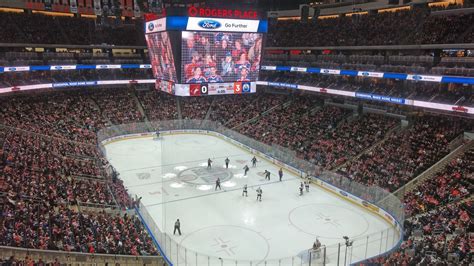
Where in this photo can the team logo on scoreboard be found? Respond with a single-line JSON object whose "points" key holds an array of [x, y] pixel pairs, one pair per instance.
{"points": [[245, 87], [209, 24], [195, 89]]}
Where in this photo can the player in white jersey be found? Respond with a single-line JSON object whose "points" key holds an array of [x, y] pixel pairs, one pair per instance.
{"points": [[259, 194]]}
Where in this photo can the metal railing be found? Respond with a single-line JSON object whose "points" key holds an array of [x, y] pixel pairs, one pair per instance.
{"points": [[343, 253]]}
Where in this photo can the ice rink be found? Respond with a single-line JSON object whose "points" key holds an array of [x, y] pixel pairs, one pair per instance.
{"points": [[171, 176]]}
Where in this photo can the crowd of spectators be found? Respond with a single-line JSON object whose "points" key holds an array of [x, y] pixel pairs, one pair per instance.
{"points": [[50, 164], [43, 29], [233, 103], [439, 237], [195, 107], [35, 224], [326, 136], [255, 107], [388, 28], [407, 153], [54, 152], [158, 106], [453, 182], [118, 105]]}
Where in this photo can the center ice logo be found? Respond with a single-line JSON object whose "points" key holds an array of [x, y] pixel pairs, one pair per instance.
{"points": [[204, 176]]}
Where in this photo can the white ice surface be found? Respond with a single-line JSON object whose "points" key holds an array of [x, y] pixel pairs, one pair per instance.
{"points": [[172, 177]]}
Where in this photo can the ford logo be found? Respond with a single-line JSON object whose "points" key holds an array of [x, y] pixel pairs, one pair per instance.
{"points": [[416, 77], [209, 24], [151, 26], [12, 68], [57, 67], [365, 73], [325, 71]]}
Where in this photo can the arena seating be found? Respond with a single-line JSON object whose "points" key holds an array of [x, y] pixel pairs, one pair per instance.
{"points": [[56, 192], [439, 237], [389, 28], [410, 152], [41, 134], [65, 229], [36, 28], [452, 183]]}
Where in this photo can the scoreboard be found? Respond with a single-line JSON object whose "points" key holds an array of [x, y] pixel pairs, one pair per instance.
{"points": [[206, 51]]}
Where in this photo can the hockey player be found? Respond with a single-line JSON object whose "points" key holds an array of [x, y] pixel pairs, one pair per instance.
{"points": [[157, 134], [254, 162], [177, 226], [267, 175], [306, 185], [259, 194], [218, 184], [301, 189], [280, 173], [227, 161], [244, 191], [246, 169], [209, 162]]}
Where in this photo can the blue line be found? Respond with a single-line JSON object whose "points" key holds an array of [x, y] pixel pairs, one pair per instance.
{"points": [[153, 237]]}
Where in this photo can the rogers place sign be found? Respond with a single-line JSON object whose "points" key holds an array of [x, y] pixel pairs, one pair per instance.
{"points": [[221, 13]]}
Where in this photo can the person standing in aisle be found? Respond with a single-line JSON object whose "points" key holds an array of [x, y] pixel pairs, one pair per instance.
{"points": [[218, 184], [244, 191], [209, 163], [227, 163], [177, 226], [246, 169], [254, 162], [259, 194], [280, 173]]}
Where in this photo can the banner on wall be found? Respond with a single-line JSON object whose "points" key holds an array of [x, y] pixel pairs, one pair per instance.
{"points": [[97, 7], [73, 6]]}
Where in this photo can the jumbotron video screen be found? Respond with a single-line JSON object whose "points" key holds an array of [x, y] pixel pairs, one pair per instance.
{"points": [[220, 56], [161, 56]]}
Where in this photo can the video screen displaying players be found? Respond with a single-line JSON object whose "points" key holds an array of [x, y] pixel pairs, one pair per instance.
{"points": [[161, 56], [210, 57]]}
